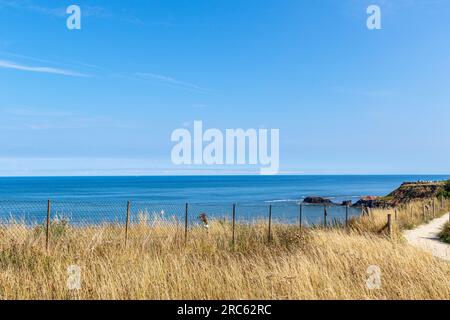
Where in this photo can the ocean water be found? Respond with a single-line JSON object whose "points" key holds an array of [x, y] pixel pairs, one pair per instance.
{"points": [[104, 199]]}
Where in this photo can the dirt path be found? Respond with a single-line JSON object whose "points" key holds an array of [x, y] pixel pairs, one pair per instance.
{"points": [[426, 238]]}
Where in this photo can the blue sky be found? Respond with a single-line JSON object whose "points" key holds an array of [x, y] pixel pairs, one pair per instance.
{"points": [[105, 99]]}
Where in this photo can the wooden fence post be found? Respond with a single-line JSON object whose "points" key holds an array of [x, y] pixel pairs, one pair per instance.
{"points": [[396, 214], [270, 224], [234, 225], [127, 222], [186, 223], [434, 208], [424, 212], [389, 225], [346, 216], [47, 226], [325, 214], [301, 215]]}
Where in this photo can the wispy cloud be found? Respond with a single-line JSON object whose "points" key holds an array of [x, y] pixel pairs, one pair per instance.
{"points": [[45, 119], [170, 80], [16, 66], [67, 68], [353, 8], [28, 5], [29, 112], [63, 64], [60, 12]]}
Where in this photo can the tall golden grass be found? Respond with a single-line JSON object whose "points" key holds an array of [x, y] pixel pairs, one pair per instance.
{"points": [[405, 217], [156, 263]]}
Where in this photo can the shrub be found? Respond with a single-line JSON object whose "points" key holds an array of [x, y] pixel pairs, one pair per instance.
{"points": [[446, 190], [445, 233]]}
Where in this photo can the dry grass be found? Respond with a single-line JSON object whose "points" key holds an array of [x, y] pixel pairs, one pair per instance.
{"points": [[157, 264], [405, 217]]}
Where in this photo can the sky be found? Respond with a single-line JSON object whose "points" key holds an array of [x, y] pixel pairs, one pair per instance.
{"points": [[105, 99]]}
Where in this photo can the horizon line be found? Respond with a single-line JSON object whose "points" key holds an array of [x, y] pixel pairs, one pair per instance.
{"points": [[225, 175]]}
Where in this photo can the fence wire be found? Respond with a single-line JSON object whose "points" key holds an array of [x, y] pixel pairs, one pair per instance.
{"points": [[115, 222]]}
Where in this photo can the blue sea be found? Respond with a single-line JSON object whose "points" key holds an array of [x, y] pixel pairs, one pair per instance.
{"points": [[104, 199]]}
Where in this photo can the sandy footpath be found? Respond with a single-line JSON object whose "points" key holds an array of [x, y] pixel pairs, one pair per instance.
{"points": [[426, 238]]}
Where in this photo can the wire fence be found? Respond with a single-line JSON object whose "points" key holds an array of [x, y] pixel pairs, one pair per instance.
{"points": [[119, 222]]}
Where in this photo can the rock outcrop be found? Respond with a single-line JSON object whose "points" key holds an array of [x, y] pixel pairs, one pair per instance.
{"points": [[370, 202], [317, 200]]}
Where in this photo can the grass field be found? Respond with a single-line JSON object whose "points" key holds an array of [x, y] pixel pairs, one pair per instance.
{"points": [[311, 263]]}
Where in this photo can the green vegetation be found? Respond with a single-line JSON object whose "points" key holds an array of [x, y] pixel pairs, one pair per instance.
{"points": [[445, 190], [58, 228], [445, 233]]}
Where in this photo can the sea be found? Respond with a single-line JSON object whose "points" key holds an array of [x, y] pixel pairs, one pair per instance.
{"points": [[96, 200]]}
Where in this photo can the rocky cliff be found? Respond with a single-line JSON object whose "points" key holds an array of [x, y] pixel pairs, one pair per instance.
{"points": [[407, 192]]}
